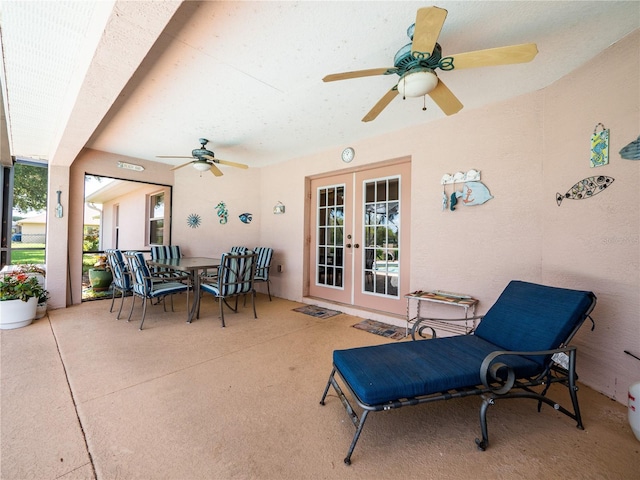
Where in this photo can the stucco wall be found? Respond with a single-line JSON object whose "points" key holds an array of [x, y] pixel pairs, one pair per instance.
{"points": [[133, 210]]}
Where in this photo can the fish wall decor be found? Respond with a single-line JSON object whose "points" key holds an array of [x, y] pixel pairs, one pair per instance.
{"points": [[631, 151], [245, 217], [586, 188], [472, 193]]}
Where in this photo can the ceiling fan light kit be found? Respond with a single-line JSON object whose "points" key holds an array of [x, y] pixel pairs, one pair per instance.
{"points": [[417, 82], [203, 160], [201, 165], [415, 64]]}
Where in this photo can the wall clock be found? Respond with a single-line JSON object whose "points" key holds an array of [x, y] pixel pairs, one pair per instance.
{"points": [[348, 154]]}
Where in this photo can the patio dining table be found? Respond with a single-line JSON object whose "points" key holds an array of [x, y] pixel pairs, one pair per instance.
{"points": [[191, 265]]}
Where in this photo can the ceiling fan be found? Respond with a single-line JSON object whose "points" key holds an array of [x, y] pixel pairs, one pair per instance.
{"points": [[204, 160], [415, 64]]}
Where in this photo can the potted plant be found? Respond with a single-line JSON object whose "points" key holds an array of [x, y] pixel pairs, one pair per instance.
{"points": [[19, 295], [39, 272], [100, 276]]}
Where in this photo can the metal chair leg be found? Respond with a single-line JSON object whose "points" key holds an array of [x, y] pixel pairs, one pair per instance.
{"points": [[121, 305], [144, 312], [222, 302], [133, 302]]}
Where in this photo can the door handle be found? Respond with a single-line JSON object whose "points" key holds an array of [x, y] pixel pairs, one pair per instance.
{"points": [[356, 245], [348, 245]]}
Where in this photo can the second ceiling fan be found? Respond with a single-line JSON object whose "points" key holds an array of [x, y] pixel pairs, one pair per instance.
{"points": [[415, 64], [203, 160]]}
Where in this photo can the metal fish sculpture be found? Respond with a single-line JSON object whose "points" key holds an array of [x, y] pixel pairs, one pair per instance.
{"points": [[245, 217], [586, 188]]}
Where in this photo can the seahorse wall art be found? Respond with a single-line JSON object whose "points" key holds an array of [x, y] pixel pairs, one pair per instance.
{"points": [[222, 212], [585, 188]]}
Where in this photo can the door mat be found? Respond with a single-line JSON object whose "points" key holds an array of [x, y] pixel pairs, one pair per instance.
{"points": [[316, 311], [383, 329]]}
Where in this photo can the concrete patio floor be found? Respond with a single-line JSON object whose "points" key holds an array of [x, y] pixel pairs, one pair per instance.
{"points": [[86, 396]]}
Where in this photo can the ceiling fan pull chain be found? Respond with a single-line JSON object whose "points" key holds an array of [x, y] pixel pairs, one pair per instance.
{"points": [[424, 103]]}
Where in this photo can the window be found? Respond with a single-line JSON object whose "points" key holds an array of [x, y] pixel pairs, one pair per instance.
{"points": [[156, 219]]}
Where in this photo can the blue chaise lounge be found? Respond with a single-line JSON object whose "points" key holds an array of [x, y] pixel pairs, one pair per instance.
{"points": [[519, 349]]}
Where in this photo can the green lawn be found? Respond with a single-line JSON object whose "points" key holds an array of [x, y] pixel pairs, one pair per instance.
{"points": [[19, 257]]}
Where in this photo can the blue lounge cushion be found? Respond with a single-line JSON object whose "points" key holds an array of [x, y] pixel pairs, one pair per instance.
{"points": [[384, 373], [532, 317]]}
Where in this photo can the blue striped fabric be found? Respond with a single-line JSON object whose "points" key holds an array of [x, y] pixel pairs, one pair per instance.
{"points": [[161, 252], [235, 276], [119, 269], [143, 284], [237, 250], [263, 263]]}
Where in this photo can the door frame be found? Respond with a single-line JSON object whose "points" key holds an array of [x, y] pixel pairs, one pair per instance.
{"points": [[309, 215]]}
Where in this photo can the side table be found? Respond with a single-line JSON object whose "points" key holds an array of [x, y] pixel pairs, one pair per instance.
{"points": [[446, 298]]}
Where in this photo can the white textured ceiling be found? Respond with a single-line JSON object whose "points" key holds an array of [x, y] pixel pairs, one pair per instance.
{"points": [[248, 75]]}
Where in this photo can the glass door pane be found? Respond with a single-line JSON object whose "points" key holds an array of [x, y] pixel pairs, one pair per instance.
{"points": [[330, 236], [380, 255]]}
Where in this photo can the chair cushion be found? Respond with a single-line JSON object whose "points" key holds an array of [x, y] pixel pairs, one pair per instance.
{"points": [[384, 373], [211, 288], [263, 262], [167, 288], [528, 317]]}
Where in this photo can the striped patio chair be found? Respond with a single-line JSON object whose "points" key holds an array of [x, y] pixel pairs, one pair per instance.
{"points": [[263, 265], [235, 279], [164, 252], [121, 278], [145, 288]]}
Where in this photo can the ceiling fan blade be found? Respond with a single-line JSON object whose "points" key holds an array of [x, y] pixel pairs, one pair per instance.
{"points": [[173, 156], [495, 56], [446, 100], [183, 165], [215, 170], [381, 105], [231, 164], [429, 21], [357, 74]]}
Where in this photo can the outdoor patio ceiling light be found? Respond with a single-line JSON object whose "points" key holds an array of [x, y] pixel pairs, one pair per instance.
{"points": [[201, 165], [417, 82]]}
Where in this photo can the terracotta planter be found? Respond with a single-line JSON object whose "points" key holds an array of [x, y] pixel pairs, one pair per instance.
{"points": [[100, 279], [16, 313]]}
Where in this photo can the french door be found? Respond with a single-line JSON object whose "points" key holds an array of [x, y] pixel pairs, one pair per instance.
{"points": [[359, 233]]}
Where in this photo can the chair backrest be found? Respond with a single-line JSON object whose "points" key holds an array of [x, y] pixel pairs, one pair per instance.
{"points": [[118, 269], [141, 277], [239, 250], [162, 252], [165, 251], [263, 262], [236, 274], [532, 317]]}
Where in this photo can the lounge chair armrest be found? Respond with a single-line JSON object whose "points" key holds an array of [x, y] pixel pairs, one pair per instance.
{"points": [[417, 328], [492, 370]]}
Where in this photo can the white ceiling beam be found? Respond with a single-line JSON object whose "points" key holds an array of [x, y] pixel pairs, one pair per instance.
{"points": [[129, 34]]}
